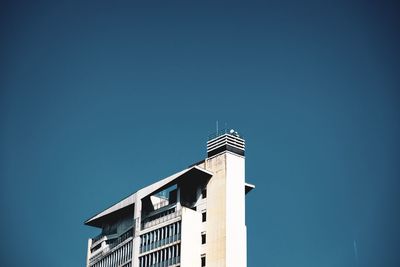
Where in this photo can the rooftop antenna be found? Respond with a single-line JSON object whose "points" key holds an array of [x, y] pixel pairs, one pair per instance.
{"points": [[355, 252]]}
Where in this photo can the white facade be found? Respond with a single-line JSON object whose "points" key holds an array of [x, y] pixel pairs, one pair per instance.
{"points": [[193, 218]]}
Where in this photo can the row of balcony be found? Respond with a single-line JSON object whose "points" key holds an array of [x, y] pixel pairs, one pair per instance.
{"points": [[113, 256], [160, 243], [170, 262], [148, 224], [110, 235], [114, 241], [108, 249]]}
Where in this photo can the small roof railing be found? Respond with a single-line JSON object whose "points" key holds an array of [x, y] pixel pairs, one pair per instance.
{"points": [[225, 131]]}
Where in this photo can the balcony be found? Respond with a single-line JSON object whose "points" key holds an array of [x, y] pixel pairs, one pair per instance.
{"points": [[98, 248], [161, 204], [110, 235], [119, 253], [160, 243], [170, 262], [152, 222]]}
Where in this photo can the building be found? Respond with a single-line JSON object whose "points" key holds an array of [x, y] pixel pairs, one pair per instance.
{"points": [[193, 218]]}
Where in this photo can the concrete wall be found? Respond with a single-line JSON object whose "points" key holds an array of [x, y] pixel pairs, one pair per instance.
{"points": [[235, 212], [136, 239], [225, 226], [190, 238], [216, 212], [88, 255]]}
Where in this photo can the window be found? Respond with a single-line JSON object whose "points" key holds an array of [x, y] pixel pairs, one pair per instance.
{"points": [[203, 260], [203, 216], [204, 193], [203, 238]]}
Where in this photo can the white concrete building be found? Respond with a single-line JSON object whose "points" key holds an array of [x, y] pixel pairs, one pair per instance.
{"points": [[193, 218]]}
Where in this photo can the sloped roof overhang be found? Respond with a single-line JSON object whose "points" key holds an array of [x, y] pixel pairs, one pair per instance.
{"points": [[127, 204]]}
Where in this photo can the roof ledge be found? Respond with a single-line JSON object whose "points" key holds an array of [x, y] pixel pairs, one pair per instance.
{"points": [[248, 187], [100, 218]]}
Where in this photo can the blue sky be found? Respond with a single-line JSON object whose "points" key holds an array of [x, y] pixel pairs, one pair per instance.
{"points": [[101, 98]]}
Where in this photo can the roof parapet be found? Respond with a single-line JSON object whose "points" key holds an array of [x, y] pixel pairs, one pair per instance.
{"points": [[225, 141]]}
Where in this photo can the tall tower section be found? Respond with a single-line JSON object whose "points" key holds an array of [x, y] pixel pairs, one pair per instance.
{"points": [[226, 228]]}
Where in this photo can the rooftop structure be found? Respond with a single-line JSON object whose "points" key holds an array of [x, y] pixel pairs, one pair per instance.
{"points": [[193, 218]]}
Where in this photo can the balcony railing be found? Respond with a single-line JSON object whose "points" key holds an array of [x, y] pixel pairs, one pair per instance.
{"points": [[118, 239], [109, 249], [120, 253], [169, 262], [97, 238], [112, 234], [161, 204], [160, 243], [162, 219]]}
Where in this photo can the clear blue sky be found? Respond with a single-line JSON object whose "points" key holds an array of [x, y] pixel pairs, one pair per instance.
{"points": [[101, 98]]}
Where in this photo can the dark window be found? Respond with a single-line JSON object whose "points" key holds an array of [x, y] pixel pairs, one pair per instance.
{"points": [[204, 193], [96, 248], [203, 238], [203, 216], [203, 260]]}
